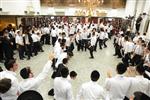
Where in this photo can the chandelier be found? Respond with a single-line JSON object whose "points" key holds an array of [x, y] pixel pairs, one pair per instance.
{"points": [[90, 7]]}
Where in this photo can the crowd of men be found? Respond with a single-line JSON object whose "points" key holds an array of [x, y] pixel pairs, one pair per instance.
{"points": [[134, 51]]}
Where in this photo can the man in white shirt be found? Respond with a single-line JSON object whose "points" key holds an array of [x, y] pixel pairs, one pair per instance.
{"points": [[118, 86], [32, 83], [35, 39], [54, 35], [47, 34], [62, 87], [101, 38], [128, 50], [92, 45], [139, 83], [13, 92], [91, 90], [84, 35], [137, 36], [20, 44], [138, 53]]}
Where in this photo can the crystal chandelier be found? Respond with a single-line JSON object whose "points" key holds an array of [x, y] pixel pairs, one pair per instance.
{"points": [[90, 6]]}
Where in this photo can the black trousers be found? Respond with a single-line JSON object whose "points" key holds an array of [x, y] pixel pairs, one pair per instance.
{"points": [[85, 43], [39, 46], [138, 27], [118, 50], [21, 51], [47, 36], [105, 42], [35, 48], [80, 45], [127, 59], [136, 59], [100, 43], [43, 38], [95, 47], [1, 52], [54, 40], [28, 50], [91, 49]]}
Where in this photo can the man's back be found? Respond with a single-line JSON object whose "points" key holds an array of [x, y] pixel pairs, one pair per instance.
{"points": [[62, 89], [117, 87], [90, 91], [11, 94], [139, 83]]}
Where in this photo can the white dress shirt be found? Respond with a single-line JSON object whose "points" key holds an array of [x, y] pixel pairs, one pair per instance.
{"points": [[139, 83], [105, 35], [35, 38], [102, 35], [34, 83], [138, 50], [84, 34], [135, 39], [62, 89], [53, 33], [46, 30], [91, 91], [12, 93], [93, 40], [60, 58], [117, 87], [128, 47], [19, 40], [57, 50]]}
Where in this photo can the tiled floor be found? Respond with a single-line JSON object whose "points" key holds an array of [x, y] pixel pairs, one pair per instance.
{"points": [[80, 62]]}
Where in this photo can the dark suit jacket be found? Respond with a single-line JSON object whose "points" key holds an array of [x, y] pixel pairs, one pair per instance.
{"points": [[58, 71]]}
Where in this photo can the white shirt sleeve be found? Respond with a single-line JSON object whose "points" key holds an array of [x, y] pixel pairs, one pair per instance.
{"points": [[47, 68]]}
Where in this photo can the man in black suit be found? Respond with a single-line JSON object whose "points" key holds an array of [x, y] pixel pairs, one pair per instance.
{"points": [[1, 48], [138, 22], [61, 66], [7, 47]]}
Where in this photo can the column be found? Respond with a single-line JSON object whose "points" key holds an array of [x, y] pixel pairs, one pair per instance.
{"points": [[145, 18], [138, 10], [130, 7], [148, 32]]}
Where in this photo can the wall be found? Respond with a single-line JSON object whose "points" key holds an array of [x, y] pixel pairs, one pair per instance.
{"points": [[116, 12], [17, 7], [5, 21]]}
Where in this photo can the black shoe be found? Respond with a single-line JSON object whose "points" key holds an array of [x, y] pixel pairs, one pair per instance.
{"points": [[28, 58], [21, 59], [51, 92], [119, 57], [42, 50], [91, 57], [114, 54]]}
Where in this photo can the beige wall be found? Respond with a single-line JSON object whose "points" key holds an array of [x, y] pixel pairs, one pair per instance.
{"points": [[4, 21]]}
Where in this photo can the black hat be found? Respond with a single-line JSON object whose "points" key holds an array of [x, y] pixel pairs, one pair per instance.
{"points": [[30, 95]]}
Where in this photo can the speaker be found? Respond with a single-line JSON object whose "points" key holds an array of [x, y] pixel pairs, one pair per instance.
{"points": [[1, 9], [25, 12]]}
